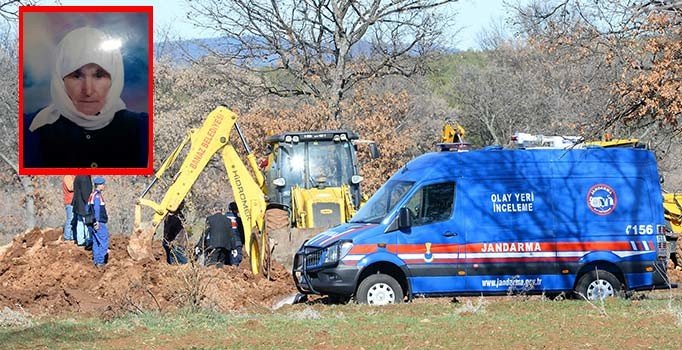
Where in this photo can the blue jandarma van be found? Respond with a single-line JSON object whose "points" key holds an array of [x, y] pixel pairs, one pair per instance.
{"points": [[498, 221]]}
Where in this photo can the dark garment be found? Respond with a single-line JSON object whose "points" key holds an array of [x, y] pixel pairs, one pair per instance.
{"points": [[235, 257], [99, 211], [217, 256], [240, 228], [82, 187], [174, 254], [237, 223], [172, 226], [174, 239], [218, 233], [121, 144]]}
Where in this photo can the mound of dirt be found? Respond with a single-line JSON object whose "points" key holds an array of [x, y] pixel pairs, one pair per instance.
{"points": [[46, 275]]}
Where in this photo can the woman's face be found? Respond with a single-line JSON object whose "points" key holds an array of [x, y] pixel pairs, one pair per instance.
{"points": [[87, 87]]}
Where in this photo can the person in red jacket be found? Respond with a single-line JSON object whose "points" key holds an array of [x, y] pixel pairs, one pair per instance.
{"points": [[67, 190]]}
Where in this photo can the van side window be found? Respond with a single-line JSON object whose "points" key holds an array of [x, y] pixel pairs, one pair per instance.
{"points": [[432, 203]]}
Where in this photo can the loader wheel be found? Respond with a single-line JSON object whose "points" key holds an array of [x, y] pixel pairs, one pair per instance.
{"points": [[260, 254], [598, 285], [276, 219], [379, 289], [254, 253], [267, 261]]}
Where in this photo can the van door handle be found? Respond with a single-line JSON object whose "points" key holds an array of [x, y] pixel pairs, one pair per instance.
{"points": [[450, 234]]}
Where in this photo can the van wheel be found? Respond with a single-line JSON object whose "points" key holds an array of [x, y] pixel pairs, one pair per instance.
{"points": [[598, 285], [379, 289]]}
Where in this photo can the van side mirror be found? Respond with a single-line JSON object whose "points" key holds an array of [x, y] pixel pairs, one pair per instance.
{"points": [[374, 150], [404, 218], [401, 222]]}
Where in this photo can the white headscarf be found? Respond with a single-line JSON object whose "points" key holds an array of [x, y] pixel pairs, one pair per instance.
{"points": [[78, 48]]}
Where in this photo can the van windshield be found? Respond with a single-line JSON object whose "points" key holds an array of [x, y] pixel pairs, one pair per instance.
{"points": [[382, 202]]}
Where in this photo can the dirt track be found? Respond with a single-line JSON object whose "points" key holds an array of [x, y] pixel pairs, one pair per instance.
{"points": [[46, 275]]}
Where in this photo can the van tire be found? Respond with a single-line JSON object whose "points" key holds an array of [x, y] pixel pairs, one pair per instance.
{"points": [[379, 289], [597, 285]]}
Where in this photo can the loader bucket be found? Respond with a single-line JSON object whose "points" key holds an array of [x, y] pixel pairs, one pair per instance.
{"points": [[140, 244]]}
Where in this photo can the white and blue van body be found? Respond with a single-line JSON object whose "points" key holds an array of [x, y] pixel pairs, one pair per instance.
{"points": [[499, 221]]}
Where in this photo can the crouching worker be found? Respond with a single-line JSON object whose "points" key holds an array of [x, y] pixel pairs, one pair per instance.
{"points": [[98, 231], [175, 237], [216, 242]]}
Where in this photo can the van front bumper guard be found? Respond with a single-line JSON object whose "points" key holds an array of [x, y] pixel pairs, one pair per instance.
{"points": [[311, 276]]}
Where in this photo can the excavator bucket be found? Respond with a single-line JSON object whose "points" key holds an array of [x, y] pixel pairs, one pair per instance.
{"points": [[140, 244]]}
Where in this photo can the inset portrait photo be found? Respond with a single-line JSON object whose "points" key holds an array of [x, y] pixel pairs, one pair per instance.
{"points": [[85, 90]]}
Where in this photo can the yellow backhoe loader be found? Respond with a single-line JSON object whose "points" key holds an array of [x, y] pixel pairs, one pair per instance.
{"points": [[213, 137], [310, 180], [672, 202]]}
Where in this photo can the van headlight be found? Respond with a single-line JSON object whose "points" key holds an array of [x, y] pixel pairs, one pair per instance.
{"points": [[337, 251]]}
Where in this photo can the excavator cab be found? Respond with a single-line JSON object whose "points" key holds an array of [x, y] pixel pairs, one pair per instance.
{"points": [[313, 178]]}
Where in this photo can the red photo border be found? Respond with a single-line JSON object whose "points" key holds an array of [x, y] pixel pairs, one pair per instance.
{"points": [[148, 170]]}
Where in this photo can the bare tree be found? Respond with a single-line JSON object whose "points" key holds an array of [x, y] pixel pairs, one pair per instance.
{"points": [[514, 87], [9, 110], [9, 102], [323, 48], [640, 39], [9, 9]]}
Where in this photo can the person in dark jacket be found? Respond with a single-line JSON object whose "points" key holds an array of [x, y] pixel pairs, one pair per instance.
{"points": [[217, 239], [82, 187], [99, 230], [86, 124], [175, 237], [236, 255]]}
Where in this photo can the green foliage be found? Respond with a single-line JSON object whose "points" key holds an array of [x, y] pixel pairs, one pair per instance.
{"points": [[443, 69]]}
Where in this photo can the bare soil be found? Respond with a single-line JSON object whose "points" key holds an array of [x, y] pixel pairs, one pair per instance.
{"points": [[44, 274]]}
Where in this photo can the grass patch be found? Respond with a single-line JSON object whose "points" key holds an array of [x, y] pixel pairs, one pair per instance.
{"points": [[474, 323]]}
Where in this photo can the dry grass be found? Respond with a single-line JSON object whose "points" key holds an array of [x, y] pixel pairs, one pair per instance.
{"points": [[473, 323]]}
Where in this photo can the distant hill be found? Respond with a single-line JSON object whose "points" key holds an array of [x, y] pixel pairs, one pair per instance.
{"points": [[182, 51]]}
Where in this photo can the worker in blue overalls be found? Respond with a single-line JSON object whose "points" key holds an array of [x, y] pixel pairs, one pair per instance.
{"points": [[99, 231]]}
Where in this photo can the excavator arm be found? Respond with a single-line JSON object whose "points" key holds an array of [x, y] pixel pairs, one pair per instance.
{"points": [[213, 137]]}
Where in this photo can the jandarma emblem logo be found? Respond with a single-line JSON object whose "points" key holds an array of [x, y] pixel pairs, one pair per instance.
{"points": [[601, 199]]}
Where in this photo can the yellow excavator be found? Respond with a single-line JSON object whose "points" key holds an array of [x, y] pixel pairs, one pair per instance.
{"points": [[213, 137], [310, 180], [672, 202]]}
